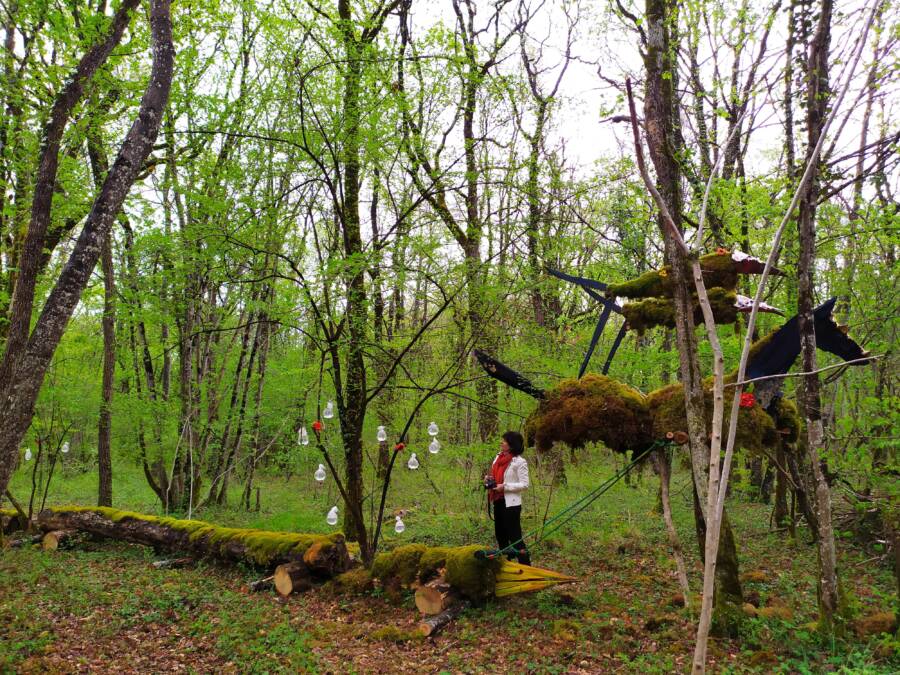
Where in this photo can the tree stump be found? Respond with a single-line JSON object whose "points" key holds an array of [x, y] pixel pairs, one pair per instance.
{"points": [[292, 578]]}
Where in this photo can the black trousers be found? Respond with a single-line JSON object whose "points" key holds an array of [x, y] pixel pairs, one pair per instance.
{"points": [[508, 528]]}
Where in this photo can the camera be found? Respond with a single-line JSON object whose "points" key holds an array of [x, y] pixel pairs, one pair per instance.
{"points": [[489, 483]]}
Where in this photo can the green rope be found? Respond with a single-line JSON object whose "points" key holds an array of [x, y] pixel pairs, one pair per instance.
{"points": [[572, 511]]}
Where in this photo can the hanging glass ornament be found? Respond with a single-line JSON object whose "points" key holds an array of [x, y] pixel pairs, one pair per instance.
{"points": [[413, 463], [432, 429], [399, 526], [27, 454], [332, 516], [434, 447], [65, 447], [320, 473], [328, 413], [302, 436], [381, 435]]}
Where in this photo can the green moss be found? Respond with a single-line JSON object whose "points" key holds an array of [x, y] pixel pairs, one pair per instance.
{"points": [[593, 408], [787, 418], [654, 312], [718, 271], [432, 560], [355, 582], [755, 429], [402, 563], [473, 577], [261, 546], [648, 285]]}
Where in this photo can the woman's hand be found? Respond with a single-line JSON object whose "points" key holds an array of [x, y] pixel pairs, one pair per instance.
{"points": [[500, 488]]}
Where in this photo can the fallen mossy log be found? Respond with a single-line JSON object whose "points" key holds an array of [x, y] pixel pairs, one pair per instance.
{"points": [[327, 553]]}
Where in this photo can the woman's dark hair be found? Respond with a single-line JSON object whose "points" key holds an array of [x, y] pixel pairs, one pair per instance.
{"points": [[515, 441]]}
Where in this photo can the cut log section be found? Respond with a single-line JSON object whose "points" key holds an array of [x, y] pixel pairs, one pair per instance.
{"points": [[292, 578], [436, 596], [58, 539], [263, 584], [430, 626]]}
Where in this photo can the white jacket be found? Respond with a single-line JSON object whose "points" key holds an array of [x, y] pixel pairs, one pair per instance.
{"points": [[515, 480]]}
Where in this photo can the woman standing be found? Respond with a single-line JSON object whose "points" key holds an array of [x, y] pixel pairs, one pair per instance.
{"points": [[510, 473]]}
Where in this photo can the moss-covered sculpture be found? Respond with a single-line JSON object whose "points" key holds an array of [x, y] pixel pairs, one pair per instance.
{"points": [[755, 428], [593, 408], [654, 312], [718, 271]]}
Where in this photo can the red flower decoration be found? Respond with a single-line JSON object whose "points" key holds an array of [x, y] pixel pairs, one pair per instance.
{"points": [[747, 400], [317, 426], [399, 447], [722, 251]]}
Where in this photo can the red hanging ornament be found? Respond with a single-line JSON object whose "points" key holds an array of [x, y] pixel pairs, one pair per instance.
{"points": [[722, 251], [747, 399], [399, 447], [317, 426]]}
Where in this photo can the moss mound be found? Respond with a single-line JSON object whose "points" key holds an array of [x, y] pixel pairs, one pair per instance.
{"points": [[755, 429], [398, 635], [654, 312], [402, 563], [718, 271], [593, 408], [474, 578]]}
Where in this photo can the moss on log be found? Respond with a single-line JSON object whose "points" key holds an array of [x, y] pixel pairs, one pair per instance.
{"points": [[257, 547]]}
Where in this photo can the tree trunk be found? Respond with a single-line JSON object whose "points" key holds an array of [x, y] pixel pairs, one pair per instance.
{"points": [[817, 97], [664, 139], [104, 425], [26, 362]]}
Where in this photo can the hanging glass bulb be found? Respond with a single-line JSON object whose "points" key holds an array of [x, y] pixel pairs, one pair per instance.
{"points": [[399, 526], [302, 436], [413, 463], [434, 447], [332, 516], [65, 447], [320, 473], [432, 429], [381, 435], [27, 454], [328, 413]]}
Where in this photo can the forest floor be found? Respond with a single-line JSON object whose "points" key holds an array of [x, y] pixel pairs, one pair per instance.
{"points": [[103, 608]]}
